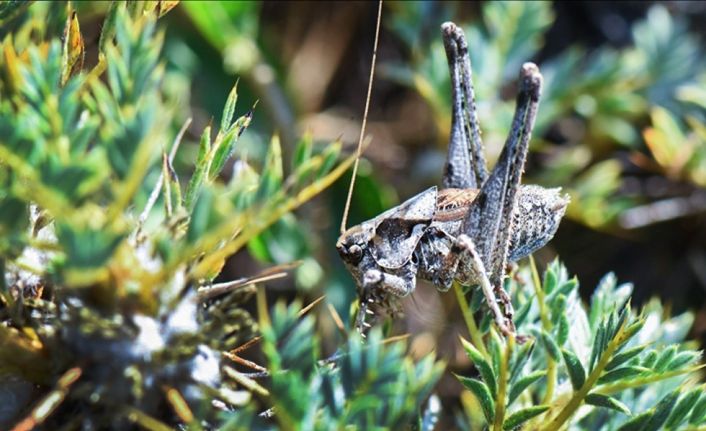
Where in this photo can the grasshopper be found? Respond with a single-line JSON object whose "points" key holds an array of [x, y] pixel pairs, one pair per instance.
{"points": [[468, 229]]}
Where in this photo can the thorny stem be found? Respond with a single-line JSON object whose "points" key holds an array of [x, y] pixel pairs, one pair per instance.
{"points": [[580, 395], [546, 325], [501, 397], [473, 330]]}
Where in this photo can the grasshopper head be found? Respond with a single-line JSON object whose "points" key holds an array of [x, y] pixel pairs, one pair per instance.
{"points": [[355, 248], [377, 250]]}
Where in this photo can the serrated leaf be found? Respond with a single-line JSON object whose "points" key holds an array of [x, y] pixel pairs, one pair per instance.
{"points": [[622, 373], [482, 393], [482, 365], [601, 400], [684, 406], [523, 383], [577, 373], [521, 416]]}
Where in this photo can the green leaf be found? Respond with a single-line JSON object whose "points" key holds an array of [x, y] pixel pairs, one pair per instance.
{"points": [[551, 346], [482, 393], [637, 423], [229, 109], [271, 178], [623, 373], [521, 355], [523, 383], [484, 368], [598, 343], [549, 282], [302, 152], [665, 358], [577, 373], [558, 308], [562, 335], [521, 416], [202, 216], [650, 358], [601, 400], [225, 146], [202, 164], [683, 358], [329, 155], [661, 412], [623, 357], [87, 247], [699, 412], [523, 312], [684, 406]]}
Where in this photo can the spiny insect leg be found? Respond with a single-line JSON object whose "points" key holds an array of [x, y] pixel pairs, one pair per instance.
{"points": [[465, 164], [488, 221], [468, 255], [517, 145]]}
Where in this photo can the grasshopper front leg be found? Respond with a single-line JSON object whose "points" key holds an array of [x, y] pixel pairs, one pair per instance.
{"points": [[378, 286]]}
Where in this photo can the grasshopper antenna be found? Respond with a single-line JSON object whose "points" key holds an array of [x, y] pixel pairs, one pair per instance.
{"points": [[359, 150]]}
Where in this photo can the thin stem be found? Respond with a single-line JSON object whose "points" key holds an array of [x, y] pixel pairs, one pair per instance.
{"points": [[635, 383], [547, 326], [501, 397], [580, 395], [473, 330]]}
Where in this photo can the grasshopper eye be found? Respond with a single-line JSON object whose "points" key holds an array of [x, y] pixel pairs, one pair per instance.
{"points": [[355, 254]]}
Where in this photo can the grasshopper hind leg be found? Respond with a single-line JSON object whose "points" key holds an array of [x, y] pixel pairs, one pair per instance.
{"points": [[465, 164]]}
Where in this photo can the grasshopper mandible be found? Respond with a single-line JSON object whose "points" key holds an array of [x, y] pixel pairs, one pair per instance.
{"points": [[469, 228]]}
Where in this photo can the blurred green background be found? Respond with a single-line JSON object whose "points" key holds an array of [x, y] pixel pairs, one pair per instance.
{"points": [[622, 127]]}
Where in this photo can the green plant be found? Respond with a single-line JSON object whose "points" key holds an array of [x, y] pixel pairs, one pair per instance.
{"points": [[111, 314], [600, 366], [108, 301], [364, 385]]}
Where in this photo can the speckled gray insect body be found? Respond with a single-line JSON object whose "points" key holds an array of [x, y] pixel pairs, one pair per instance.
{"points": [[474, 224]]}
